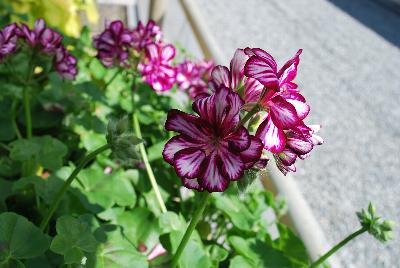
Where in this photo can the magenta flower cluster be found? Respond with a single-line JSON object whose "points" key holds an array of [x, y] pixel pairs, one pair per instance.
{"points": [[192, 77], [141, 49], [40, 39], [214, 148]]}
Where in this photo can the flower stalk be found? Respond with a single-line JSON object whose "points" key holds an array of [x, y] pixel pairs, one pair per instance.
{"points": [[145, 159], [68, 182], [337, 247], [192, 225]]}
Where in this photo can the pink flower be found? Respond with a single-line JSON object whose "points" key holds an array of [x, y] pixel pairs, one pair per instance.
{"points": [[8, 40], [112, 44], [299, 144], [145, 35], [65, 64], [248, 88], [262, 66], [210, 151], [192, 77], [47, 39], [156, 69]]}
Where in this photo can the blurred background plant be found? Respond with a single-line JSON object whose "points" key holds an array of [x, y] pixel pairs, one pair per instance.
{"points": [[63, 15]]}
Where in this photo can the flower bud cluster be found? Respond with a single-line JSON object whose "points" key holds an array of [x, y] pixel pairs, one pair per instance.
{"points": [[375, 225]]}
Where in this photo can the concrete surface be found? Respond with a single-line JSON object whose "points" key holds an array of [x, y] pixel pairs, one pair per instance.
{"points": [[349, 73]]}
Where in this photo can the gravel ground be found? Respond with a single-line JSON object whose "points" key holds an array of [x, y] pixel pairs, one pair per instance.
{"points": [[349, 73]]}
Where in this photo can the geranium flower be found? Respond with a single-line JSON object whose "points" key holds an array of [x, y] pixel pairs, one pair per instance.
{"points": [[112, 44], [192, 77], [144, 35], [262, 66], [65, 64], [8, 40], [156, 68], [48, 39], [210, 152], [299, 144], [285, 107], [248, 88]]}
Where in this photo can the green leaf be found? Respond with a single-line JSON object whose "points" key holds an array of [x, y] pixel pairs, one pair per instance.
{"points": [[47, 151], [170, 221], [291, 245], [249, 176], [259, 253], [19, 239], [217, 255], [155, 151], [240, 262], [239, 214], [46, 189], [5, 191], [194, 254], [97, 69], [115, 251], [102, 190], [73, 239], [133, 223]]}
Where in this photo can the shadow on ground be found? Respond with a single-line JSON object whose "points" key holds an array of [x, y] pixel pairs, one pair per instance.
{"points": [[382, 16]]}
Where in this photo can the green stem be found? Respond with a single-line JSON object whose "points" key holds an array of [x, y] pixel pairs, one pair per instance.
{"points": [[337, 247], [13, 117], [248, 116], [27, 110], [112, 78], [192, 225], [145, 159], [68, 182]]}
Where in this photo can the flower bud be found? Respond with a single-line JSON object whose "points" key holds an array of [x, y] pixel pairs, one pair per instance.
{"points": [[123, 142]]}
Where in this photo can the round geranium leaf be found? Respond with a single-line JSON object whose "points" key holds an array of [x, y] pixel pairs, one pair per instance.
{"points": [[19, 239]]}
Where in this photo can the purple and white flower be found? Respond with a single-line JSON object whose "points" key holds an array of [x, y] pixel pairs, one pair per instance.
{"points": [[65, 64], [8, 40], [113, 44], [144, 35], [211, 149]]}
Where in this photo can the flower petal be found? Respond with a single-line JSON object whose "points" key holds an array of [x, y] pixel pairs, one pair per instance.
{"points": [[288, 71], [192, 184], [152, 51], [186, 124], [283, 113], [261, 70], [302, 108], [187, 162], [221, 76], [273, 138], [174, 145], [287, 157], [232, 165], [299, 144], [237, 64], [253, 153], [252, 90], [168, 53], [262, 54], [212, 179], [240, 140]]}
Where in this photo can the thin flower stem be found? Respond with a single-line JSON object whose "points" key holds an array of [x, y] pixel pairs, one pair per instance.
{"points": [[13, 117], [337, 247], [27, 110], [248, 116], [145, 159], [68, 182], [192, 225], [112, 78]]}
